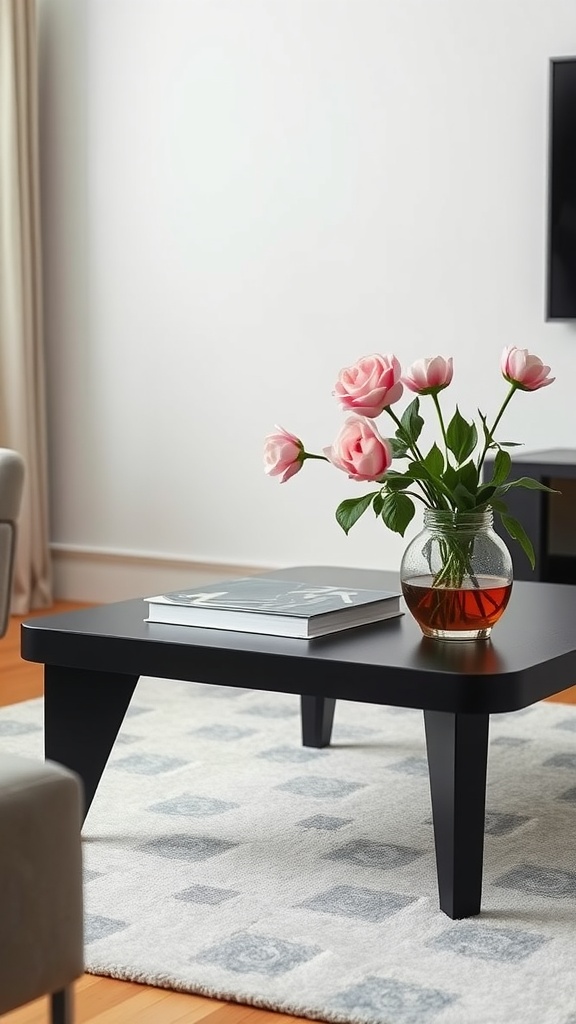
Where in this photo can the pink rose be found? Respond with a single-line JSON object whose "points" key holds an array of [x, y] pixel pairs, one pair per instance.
{"points": [[528, 372], [429, 376], [370, 385], [360, 451], [283, 454]]}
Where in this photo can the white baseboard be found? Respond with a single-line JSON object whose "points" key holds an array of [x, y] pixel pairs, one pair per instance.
{"points": [[100, 575]]}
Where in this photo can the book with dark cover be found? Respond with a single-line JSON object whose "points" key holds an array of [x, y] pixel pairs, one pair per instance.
{"points": [[261, 604]]}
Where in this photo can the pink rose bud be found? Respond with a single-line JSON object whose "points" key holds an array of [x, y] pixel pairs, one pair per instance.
{"points": [[429, 376], [283, 454], [528, 372], [360, 451], [370, 385]]}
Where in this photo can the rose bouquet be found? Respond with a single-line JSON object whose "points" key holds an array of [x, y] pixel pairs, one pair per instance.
{"points": [[449, 478]]}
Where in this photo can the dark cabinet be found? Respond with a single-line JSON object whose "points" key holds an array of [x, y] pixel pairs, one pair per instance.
{"points": [[549, 519]]}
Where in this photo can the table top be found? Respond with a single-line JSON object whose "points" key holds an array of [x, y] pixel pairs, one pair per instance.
{"points": [[555, 457], [557, 463], [531, 655]]}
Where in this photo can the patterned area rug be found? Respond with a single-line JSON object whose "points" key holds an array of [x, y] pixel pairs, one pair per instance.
{"points": [[223, 858]]}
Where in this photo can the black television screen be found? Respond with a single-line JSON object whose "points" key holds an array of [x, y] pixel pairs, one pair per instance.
{"points": [[561, 284]]}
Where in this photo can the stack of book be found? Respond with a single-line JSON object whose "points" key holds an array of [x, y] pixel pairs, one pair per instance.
{"points": [[280, 607]]}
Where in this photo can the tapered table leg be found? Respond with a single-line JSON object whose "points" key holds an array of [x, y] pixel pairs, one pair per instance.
{"points": [[457, 760], [317, 718], [83, 711]]}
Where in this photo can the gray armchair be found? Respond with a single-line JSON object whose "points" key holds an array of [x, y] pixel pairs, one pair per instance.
{"points": [[41, 924]]}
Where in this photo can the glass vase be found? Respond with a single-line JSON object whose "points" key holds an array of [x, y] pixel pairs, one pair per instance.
{"points": [[456, 575]]}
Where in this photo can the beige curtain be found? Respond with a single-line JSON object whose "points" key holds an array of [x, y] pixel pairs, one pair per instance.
{"points": [[22, 387]]}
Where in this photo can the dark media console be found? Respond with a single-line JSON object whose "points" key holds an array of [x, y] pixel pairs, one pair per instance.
{"points": [[549, 519]]}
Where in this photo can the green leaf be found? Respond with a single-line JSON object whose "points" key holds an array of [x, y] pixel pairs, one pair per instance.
{"points": [[434, 461], [468, 477], [484, 496], [461, 437], [463, 498], [464, 485], [378, 503], [435, 484], [450, 477], [349, 511], [529, 484], [397, 481], [399, 448], [502, 464], [517, 532], [489, 441], [499, 506], [398, 510], [412, 423], [418, 471]]}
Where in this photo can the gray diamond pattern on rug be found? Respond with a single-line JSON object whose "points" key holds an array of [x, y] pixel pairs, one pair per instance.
{"points": [[387, 999], [501, 824], [271, 711], [567, 723], [530, 878], [97, 927], [565, 759], [148, 764], [218, 731], [503, 945], [187, 847], [367, 853], [411, 766], [291, 755], [205, 894], [352, 732], [258, 954], [189, 805], [358, 902], [319, 787], [136, 709], [327, 822], [229, 860]]}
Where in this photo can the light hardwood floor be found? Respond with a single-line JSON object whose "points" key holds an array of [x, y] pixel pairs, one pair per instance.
{"points": [[105, 1000]]}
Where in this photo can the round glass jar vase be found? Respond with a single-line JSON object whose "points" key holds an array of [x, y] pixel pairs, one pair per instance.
{"points": [[456, 575]]}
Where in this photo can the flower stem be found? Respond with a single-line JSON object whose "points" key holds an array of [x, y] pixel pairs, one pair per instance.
{"points": [[513, 388], [414, 494], [417, 456], [441, 419]]}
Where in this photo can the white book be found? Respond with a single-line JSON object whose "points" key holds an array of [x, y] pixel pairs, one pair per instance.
{"points": [[279, 607]]}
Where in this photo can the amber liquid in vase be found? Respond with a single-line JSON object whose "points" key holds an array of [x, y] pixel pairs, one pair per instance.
{"points": [[463, 608]]}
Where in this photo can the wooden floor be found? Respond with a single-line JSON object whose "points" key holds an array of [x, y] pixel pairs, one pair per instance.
{"points": [[105, 1000]]}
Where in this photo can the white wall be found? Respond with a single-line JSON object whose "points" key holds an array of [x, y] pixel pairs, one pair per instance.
{"points": [[242, 196]]}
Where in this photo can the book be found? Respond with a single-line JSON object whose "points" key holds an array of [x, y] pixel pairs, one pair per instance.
{"points": [[279, 607]]}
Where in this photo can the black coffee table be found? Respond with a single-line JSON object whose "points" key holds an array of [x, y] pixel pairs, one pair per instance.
{"points": [[94, 657]]}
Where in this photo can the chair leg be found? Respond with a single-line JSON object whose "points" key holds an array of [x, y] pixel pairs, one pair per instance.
{"points": [[61, 1006]]}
